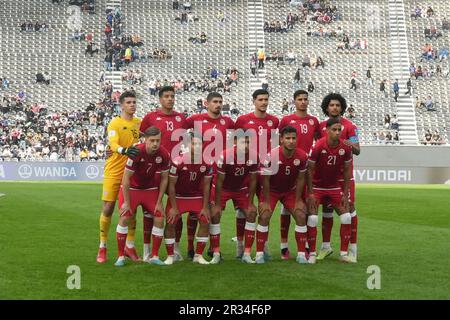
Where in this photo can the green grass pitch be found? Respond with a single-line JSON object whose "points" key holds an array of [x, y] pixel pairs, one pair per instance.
{"points": [[46, 227]]}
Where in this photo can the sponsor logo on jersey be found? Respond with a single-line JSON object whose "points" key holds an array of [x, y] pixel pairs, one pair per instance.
{"points": [[158, 160], [222, 122], [202, 169], [341, 152], [296, 162]]}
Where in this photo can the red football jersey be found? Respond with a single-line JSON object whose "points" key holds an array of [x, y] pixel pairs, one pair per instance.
{"points": [[190, 176], [215, 126], [236, 174], [307, 129], [283, 177], [329, 163], [167, 123], [147, 167], [349, 132], [250, 121]]}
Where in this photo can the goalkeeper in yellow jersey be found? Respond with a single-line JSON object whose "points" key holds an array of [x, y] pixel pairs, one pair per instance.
{"points": [[123, 133]]}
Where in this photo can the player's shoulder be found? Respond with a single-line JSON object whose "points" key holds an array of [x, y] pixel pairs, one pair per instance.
{"points": [[178, 116], [137, 120], [313, 118], [301, 154], [342, 145], [115, 121], [347, 123], [164, 152], [320, 143]]}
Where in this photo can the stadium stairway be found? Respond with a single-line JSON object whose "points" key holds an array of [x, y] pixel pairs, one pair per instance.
{"points": [[400, 70], [256, 39], [115, 77]]}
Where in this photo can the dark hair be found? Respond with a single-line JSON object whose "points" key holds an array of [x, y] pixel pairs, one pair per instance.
{"points": [[126, 94], [287, 129], [299, 92], [165, 89], [258, 92], [213, 95], [333, 96], [332, 122], [152, 131]]}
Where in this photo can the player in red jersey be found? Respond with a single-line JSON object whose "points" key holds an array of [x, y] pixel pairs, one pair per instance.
{"points": [[189, 190], [168, 121], [283, 180], [213, 128], [307, 132], [334, 106], [261, 124], [237, 172], [139, 187], [330, 159]]}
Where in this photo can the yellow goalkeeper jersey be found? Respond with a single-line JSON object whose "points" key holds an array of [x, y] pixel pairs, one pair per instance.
{"points": [[121, 134]]}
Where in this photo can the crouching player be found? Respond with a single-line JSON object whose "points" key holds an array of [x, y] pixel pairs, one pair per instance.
{"points": [[236, 180], [284, 180], [329, 158], [138, 188], [189, 187]]}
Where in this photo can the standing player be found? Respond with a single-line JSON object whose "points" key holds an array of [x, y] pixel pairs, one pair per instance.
{"points": [[261, 124], [141, 187], [167, 120], [189, 190], [334, 106], [284, 180], [123, 133], [236, 180], [330, 159], [211, 126], [307, 131]]}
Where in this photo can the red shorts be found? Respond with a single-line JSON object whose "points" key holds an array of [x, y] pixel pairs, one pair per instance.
{"points": [[328, 196], [191, 205], [351, 190], [286, 198], [240, 198], [146, 198]]}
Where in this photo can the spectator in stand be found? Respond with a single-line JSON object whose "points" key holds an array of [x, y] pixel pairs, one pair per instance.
{"points": [[427, 137], [396, 89], [429, 104], [387, 121], [311, 87]]}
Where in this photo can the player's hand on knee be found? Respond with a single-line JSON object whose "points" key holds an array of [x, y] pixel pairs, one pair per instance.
{"points": [[263, 207], [171, 215], [344, 202], [206, 213], [300, 206], [131, 152], [158, 208], [125, 210], [311, 201]]}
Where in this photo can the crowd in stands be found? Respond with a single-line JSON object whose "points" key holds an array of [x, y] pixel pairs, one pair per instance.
{"points": [[432, 138], [427, 104], [419, 12], [32, 132], [86, 6], [200, 37], [33, 27]]}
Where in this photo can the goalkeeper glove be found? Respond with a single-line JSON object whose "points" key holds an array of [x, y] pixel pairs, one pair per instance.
{"points": [[131, 152]]}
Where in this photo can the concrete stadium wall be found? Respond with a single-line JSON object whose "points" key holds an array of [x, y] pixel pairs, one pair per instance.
{"points": [[376, 164]]}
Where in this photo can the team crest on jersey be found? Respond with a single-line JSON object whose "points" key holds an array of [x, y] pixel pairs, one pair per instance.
{"points": [[222, 122], [296, 162], [202, 169], [269, 123], [158, 160], [341, 152], [311, 122], [177, 118], [130, 162]]}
